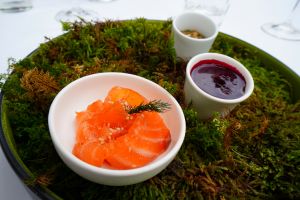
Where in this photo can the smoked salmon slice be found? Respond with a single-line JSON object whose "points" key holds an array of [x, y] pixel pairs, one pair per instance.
{"points": [[107, 136], [146, 139], [131, 97]]}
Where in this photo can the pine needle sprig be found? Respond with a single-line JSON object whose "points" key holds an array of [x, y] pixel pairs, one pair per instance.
{"points": [[154, 106]]}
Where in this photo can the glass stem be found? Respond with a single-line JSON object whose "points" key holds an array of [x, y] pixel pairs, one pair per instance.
{"points": [[292, 13]]}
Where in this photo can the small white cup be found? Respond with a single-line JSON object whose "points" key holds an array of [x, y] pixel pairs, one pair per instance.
{"points": [[206, 104], [186, 46]]}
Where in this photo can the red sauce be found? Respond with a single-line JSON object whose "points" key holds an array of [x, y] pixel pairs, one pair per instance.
{"points": [[218, 79]]}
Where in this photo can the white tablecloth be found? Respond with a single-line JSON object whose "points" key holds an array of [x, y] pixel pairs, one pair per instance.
{"points": [[21, 33]]}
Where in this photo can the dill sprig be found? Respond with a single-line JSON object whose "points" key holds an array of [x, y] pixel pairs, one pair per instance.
{"points": [[155, 105]]}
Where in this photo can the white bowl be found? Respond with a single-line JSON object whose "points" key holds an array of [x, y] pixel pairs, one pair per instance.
{"points": [[80, 93], [206, 104]]}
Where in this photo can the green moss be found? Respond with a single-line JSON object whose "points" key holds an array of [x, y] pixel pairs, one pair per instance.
{"points": [[252, 153]]}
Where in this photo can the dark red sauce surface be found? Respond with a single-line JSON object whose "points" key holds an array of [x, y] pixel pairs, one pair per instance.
{"points": [[218, 79]]}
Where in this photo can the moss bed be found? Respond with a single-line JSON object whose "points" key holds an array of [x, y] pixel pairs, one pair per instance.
{"points": [[254, 153]]}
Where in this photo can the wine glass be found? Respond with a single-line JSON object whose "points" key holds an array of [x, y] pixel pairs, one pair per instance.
{"points": [[216, 9], [287, 29], [76, 13], [14, 6], [103, 1]]}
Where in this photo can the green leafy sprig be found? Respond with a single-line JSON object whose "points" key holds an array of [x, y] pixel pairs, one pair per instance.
{"points": [[155, 105]]}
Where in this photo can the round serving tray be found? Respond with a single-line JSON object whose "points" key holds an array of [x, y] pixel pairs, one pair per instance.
{"points": [[9, 147]]}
